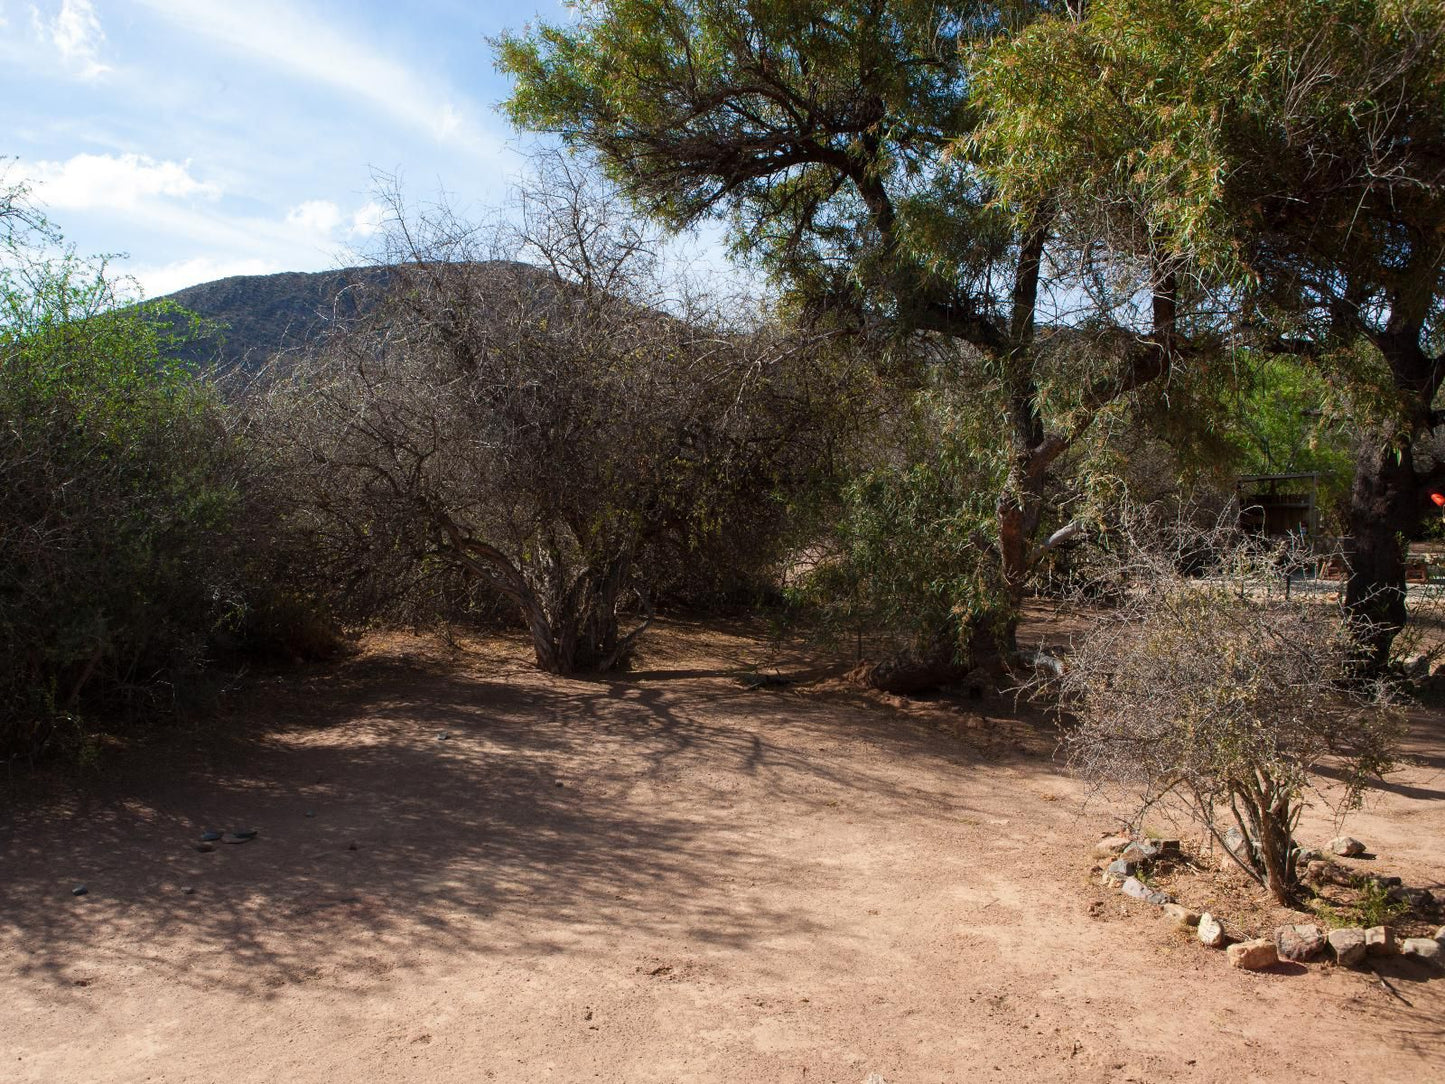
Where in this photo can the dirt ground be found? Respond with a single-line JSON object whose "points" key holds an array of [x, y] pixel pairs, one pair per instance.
{"points": [[663, 877]]}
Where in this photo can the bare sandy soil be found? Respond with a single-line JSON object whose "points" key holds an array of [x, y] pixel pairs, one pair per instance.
{"points": [[662, 877]]}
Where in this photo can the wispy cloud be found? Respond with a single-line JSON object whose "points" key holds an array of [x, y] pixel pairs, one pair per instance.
{"points": [[76, 34], [310, 47], [93, 181]]}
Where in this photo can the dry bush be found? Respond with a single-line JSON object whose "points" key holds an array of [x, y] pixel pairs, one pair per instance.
{"points": [[1208, 686]]}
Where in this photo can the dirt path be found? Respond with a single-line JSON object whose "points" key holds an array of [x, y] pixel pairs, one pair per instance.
{"points": [[662, 878]]}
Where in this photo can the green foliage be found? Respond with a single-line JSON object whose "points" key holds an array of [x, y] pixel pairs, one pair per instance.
{"points": [[910, 552], [117, 502]]}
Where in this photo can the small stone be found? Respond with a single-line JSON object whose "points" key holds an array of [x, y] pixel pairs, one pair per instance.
{"points": [[1309, 854], [1140, 852], [1440, 934], [1237, 844], [1301, 941], [79, 890], [188, 891], [443, 736], [1346, 846], [1168, 848], [1110, 845], [351, 846], [560, 783], [1211, 931], [210, 837], [1121, 868], [1423, 948], [205, 848], [1380, 941], [1317, 871], [238, 837], [1253, 955], [1348, 945], [1138, 890], [1417, 899], [1181, 914], [311, 812]]}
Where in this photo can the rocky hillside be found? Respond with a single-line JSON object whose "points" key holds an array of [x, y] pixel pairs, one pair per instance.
{"points": [[252, 317]]}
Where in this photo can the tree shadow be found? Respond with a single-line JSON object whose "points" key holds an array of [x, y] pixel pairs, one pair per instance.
{"points": [[406, 807]]}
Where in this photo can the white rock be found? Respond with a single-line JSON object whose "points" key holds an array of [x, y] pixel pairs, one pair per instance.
{"points": [[1423, 948], [1211, 931], [1111, 845], [1346, 846], [1348, 945], [1181, 914]]}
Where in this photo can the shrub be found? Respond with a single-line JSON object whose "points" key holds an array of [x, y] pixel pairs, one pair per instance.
{"points": [[117, 498], [1213, 688]]}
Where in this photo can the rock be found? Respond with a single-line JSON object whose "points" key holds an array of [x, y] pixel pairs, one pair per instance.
{"points": [[1317, 872], [443, 736], [1110, 845], [1138, 890], [1423, 948], [1120, 868], [351, 846], [1384, 882], [1299, 942], [1309, 854], [237, 837], [1236, 843], [1140, 853], [1348, 945], [1415, 667], [79, 890], [1380, 941], [245, 833], [1346, 846], [311, 812], [210, 837], [1211, 931], [188, 891], [1253, 955], [1181, 914], [1440, 934], [1168, 848], [1417, 899], [205, 848]]}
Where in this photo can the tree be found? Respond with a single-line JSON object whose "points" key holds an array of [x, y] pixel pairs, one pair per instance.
{"points": [[1292, 153], [557, 429], [833, 138]]}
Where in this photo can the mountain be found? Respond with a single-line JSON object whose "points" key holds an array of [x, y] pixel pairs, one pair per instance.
{"points": [[250, 318]]}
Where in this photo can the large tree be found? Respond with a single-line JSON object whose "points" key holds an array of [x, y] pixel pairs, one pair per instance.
{"points": [[1292, 153], [832, 136]]}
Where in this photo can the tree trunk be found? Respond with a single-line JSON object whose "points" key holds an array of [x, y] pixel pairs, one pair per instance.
{"points": [[1384, 512], [947, 657]]}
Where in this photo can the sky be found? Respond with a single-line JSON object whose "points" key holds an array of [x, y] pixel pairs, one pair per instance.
{"points": [[206, 138]]}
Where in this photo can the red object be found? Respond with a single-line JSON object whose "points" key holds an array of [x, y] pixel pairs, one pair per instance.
{"points": [[1439, 500]]}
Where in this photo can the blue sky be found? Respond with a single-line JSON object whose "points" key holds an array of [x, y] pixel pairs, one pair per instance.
{"points": [[206, 138]]}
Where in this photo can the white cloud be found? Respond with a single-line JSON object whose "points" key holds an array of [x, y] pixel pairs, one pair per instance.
{"points": [[91, 181], [367, 220], [76, 33], [168, 278], [311, 48], [315, 216]]}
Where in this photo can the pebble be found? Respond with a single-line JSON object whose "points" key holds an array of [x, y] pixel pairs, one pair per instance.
{"points": [[237, 837], [1380, 941], [79, 890], [443, 736], [1253, 955], [1423, 948], [1346, 846], [188, 891], [311, 812], [1300, 941], [205, 848], [1348, 945], [1211, 931], [210, 837]]}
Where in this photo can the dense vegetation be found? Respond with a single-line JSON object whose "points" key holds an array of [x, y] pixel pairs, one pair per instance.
{"points": [[1030, 263]]}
